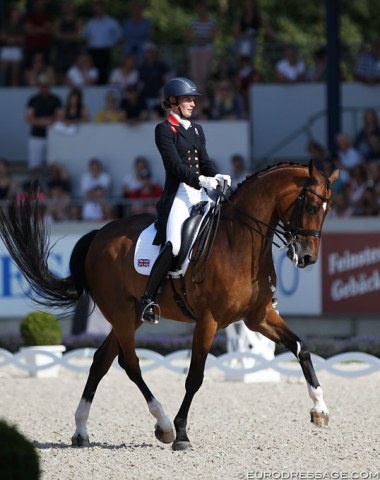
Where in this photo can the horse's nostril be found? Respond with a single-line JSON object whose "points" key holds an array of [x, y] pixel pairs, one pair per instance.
{"points": [[308, 260]]}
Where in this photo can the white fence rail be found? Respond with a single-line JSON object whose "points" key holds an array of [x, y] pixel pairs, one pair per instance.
{"points": [[351, 364]]}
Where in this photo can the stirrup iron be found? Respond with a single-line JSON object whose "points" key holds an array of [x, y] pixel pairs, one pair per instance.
{"points": [[148, 314]]}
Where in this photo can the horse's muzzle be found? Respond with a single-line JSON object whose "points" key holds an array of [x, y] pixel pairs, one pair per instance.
{"points": [[300, 256]]}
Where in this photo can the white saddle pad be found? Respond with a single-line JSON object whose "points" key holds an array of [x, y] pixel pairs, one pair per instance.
{"points": [[146, 253]]}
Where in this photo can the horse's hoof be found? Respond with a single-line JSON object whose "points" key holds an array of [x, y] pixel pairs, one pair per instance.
{"points": [[320, 419], [79, 441], [181, 445], [164, 436]]}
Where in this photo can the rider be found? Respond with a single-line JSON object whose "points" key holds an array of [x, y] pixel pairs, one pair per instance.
{"points": [[190, 177]]}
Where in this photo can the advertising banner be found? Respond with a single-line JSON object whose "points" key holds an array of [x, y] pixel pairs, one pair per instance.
{"points": [[15, 290], [351, 273], [298, 290]]}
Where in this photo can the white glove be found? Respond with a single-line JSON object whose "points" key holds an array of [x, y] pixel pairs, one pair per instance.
{"points": [[223, 178], [210, 183]]}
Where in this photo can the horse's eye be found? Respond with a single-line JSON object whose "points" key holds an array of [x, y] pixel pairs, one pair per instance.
{"points": [[312, 208]]}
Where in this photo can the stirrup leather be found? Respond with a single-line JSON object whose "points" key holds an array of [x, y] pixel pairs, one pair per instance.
{"points": [[148, 314]]}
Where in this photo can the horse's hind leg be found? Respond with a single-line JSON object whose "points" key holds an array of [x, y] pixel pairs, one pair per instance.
{"points": [[101, 363], [274, 328]]}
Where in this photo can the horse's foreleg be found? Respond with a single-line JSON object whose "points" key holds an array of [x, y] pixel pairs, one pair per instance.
{"points": [[101, 363], [202, 340], [274, 328], [129, 361]]}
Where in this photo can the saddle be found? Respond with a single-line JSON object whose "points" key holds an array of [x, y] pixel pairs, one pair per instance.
{"points": [[146, 253]]}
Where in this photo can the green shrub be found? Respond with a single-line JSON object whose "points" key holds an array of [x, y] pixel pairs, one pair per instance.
{"points": [[18, 456], [40, 328]]}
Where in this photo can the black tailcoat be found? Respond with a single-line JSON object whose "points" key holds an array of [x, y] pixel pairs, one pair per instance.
{"points": [[185, 157]]}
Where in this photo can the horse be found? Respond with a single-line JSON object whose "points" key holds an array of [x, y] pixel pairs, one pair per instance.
{"points": [[237, 280]]}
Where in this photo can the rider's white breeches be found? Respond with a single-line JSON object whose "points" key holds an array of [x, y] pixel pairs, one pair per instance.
{"points": [[185, 199]]}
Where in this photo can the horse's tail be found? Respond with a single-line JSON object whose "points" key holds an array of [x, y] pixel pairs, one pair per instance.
{"points": [[24, 233]]}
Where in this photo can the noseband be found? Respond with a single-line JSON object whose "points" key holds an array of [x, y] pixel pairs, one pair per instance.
{"points": [[293, 225]]}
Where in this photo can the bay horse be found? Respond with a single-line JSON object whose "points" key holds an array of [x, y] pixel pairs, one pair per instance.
{"points": [[237, 284]]}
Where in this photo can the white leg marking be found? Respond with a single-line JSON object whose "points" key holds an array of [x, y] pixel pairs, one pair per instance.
{"points": [[158, 413], [298, 350], [324, 206], [316, 394], [81, 417]]}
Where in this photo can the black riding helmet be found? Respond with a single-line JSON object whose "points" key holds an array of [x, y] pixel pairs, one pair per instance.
{"points": [[179, 87]]}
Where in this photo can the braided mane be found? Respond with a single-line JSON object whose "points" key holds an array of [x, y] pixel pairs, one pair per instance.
{"points": [[266, 169]]}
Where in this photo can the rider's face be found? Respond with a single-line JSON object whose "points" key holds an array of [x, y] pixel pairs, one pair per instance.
{"points": [[187, 105]]}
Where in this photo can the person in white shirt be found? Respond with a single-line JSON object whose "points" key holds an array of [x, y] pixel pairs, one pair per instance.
{"points": [[290, 68], [101, 33], [82, 73], [94, 177]]}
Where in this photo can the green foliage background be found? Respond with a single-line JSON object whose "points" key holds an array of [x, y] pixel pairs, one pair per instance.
{"points": [[297, 21]]}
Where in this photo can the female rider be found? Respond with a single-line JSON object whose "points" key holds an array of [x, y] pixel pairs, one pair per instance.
{"points": [[190, 176]]}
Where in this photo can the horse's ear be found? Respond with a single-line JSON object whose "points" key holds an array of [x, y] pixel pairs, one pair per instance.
{"points": [[311, 170], [334, 176]]}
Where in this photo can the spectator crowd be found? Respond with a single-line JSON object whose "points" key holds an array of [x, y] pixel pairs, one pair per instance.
{"points": [[41, 50]]}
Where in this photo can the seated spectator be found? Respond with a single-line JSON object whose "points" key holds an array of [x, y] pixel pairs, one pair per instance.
{"points": [[368, 205], [94, 177], [11, 55], [37, 68], [34, 184], [145, 197], [348, 156], [75, 111], [373, 175], [57, 175], [125, 74], [357, 183], [225, 103], [153, 73], [238, 170], [111, 112], [8, 186], [58, 193], [318, 153], [133, 105], [95, 207], [341, 207], [82, 73], [364, 141], [317, 71], [134, 180], [290, 68], [367, 68], [225, 70]]}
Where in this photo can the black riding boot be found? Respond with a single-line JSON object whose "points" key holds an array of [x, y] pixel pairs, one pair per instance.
{"points": [[159, 271]]}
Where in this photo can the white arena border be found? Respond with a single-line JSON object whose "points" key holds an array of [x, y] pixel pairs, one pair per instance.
{"points": [[79, 361]]}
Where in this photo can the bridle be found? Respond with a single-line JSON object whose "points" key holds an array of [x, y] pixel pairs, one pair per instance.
{"points": [[286, 233], [293, 224]]}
